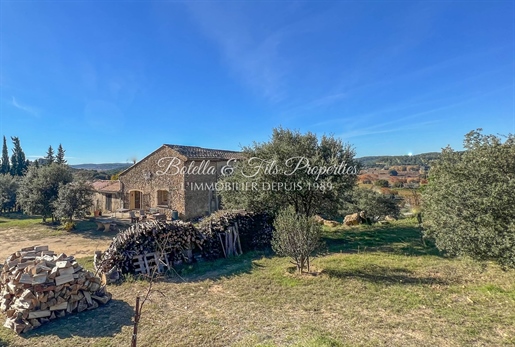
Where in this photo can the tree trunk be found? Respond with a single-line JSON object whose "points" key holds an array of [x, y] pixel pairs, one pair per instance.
{"points": [[301, 264]]}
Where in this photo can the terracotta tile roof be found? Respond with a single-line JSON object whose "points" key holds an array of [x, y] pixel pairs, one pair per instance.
{"points": [[192, 152], [107, 186]]}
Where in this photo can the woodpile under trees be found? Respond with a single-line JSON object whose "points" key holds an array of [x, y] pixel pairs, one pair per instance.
{"points": [[144, 246], [37, 285], [153, 246], [244, 231]]}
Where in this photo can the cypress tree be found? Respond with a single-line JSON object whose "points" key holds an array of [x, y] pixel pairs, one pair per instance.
{"points": [[59, 159], [6, 167], [18, 161], [50, 158]]}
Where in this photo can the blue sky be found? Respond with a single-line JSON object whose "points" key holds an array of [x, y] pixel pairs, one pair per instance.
{"points": [[115, 80]]}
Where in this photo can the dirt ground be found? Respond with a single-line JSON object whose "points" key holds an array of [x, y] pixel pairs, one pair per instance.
{"points": [[77, 243]]}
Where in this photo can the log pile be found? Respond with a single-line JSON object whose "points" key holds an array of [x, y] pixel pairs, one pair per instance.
{"points": [[254, 230], [37, 285], [155, 245], [173, 241]]}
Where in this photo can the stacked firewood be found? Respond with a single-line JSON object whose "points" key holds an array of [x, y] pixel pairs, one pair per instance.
{"points": [[172, 240], [155, 244], [254, 231], [37, 285]]}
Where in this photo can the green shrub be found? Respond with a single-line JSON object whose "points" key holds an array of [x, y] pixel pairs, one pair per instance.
{"points": [[381, 183], [468, 203], [68, 226], [296, 236]]}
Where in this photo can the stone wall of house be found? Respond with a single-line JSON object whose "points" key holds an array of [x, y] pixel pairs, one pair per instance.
{"points": [[151, 175], [201, 196], [100, 202], [192, 195]]}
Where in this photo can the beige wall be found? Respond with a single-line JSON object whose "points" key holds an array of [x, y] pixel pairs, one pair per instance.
{"points": [[100, 199], [148, 178], [198, 193], [145, 178]]}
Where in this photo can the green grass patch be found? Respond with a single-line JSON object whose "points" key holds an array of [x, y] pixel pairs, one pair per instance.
{"points": [[375, 286], [20, 220], [23, 221], [86, 263], [400, 237]]}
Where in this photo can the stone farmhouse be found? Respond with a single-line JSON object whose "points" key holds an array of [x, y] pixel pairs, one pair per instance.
{"points": [[107, 196], [172, 178]]}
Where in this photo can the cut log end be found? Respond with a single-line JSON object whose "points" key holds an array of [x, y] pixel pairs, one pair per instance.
{"points": [[37, 286]]}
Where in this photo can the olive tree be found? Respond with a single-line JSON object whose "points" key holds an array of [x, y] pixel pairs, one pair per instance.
{"points": [[374, 204], [311, 174], [39, 189], [74, 200], [469, 201], [8, 189], [296, 236]]}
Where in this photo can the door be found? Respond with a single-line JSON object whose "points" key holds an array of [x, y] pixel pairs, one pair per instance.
{"points": [[109, 202], [135, 200]]}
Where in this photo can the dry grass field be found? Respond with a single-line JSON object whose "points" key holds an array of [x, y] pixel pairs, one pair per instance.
{"points": [[18, 231], [375, 286]]}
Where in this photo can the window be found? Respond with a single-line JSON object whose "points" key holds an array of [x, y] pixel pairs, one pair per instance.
{"points": [[162, 197]]}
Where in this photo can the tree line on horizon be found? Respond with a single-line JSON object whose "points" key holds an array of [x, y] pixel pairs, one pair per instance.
{"points": [[423, 159], [44, 187], [47, 186], [17, 164]]}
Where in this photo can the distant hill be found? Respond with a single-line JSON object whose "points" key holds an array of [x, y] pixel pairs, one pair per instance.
{"points": [[91, 172], [102, 167], [423, 159]]}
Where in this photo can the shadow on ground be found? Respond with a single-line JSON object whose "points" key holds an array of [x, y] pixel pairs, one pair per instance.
{"points": [[18, 216], [217, 269], [384, 275], [105, 321], [89, 229]]}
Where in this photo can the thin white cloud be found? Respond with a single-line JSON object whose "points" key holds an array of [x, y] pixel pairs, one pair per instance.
{"points": [[390, 126], [44, 155], [254, 55], [325, 100], [347, 92], [431, 69], [416, 102], [253, 61], [364, 117], [372, 131], [445, 107], [28, 109]]}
